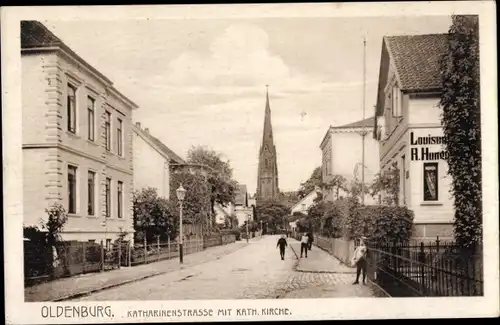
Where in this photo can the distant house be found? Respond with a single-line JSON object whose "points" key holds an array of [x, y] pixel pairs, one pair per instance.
{"points": [[342, 154], [409, 132], [152, 161], [242, 210], [306, 202], [222, 214]]}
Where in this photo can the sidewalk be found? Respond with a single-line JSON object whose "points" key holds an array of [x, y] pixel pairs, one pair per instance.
{"points": [[66, 288], [341, 276], [319, 261]]}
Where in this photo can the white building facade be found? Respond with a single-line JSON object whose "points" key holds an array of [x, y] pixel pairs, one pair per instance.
{"points": [[77, 140], [152, 161], [409, 131], [342, 154]]}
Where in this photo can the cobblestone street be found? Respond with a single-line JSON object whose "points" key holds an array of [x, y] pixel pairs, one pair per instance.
{"points": [[255, 271]]}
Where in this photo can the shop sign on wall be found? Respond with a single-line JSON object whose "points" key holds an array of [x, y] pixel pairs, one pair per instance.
{"points": [[421, 149]]}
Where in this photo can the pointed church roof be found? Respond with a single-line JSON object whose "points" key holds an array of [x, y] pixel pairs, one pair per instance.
{"points": [[267, 134]]}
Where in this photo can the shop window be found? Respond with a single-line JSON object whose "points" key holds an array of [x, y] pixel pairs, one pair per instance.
{"points": [[430, 181]]}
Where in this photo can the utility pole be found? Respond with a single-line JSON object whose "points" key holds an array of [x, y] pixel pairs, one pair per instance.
{"points": [[363, 125]]}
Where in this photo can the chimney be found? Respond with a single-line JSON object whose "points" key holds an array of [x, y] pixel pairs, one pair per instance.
{"points": [[146, 130], [138, 124]]}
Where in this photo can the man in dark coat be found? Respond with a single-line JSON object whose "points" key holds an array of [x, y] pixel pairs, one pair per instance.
{"points": [[282, 245], [310, 241]]}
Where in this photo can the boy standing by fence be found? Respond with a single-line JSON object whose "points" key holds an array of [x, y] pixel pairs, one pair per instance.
{"points": [[359, 260]]}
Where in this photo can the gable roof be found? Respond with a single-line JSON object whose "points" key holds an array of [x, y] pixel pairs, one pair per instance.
{"points": [[315, 191], [36, 36], [158, 144], [416, 58], [368, 122]]}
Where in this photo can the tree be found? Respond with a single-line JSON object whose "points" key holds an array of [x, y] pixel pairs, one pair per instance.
{"points": [[153, 216], [385, 186], [316, 213], [274, 213], [336, 183], [57, 218], [196, 204], [355, 189], [223, 187], [461, 121], [316, 179]]}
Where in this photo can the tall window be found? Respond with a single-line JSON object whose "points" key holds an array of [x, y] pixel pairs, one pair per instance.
{"points": [[91, 119], [397, 102], [120, 199], [91, 193], [108, 197], [430, 181], [71, 189], [119, 139], [107, 130], [71, 108]]}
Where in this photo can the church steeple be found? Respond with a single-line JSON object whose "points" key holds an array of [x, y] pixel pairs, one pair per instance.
{"points": [[267, 135], [267, 180]]}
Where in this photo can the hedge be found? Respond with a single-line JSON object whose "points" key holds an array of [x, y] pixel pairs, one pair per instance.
{"points": [[380, 223]]}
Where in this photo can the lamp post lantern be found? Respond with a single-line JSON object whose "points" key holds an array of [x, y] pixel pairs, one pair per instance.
{"points": [[181, 194]]}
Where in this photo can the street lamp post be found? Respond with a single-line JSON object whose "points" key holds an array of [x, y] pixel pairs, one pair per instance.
{"points": [[181, 193], [248, 220]]}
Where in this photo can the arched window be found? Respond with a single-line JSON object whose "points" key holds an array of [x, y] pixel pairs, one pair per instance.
{"points": [[266, 163]]}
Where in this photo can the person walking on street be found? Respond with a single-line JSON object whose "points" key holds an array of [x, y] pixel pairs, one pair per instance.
{"points": [[304, 243], [359, 260], [282, 245], [310, 240]]}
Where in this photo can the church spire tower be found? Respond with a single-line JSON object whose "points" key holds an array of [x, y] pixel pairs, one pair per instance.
{"points": [[267, 179]]}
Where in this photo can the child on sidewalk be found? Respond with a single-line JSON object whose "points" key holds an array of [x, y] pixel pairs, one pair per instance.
{"points": [[359, 260]]}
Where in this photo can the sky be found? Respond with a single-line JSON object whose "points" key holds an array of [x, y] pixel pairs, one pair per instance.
{"points": [[203, 81]]}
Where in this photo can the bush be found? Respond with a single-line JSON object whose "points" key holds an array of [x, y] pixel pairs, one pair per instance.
{"points": [[235, 231], [380, 223], [332, 222]]}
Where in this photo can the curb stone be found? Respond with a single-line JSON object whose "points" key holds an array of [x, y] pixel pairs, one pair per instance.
{"points": [[110, 286], [296, 267]]}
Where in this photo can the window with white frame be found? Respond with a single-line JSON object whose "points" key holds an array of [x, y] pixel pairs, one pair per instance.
{"points": [[91, 118], [119, 137], [71, 108], [72, 189], [108, 197], [397, 101], [431, 181], [120, 199], [91, 193], [107, 130]]}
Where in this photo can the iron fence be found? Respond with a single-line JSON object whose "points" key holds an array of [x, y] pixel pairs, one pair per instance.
{"points": [[42, 263], [426, 269]]}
